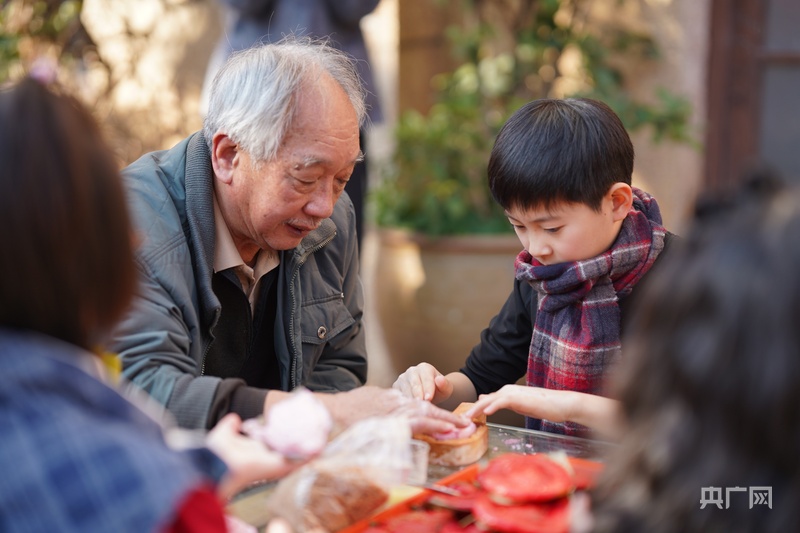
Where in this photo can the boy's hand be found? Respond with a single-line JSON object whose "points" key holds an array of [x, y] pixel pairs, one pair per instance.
{"points": [[601, 414], [535, 402], [425, 383]]}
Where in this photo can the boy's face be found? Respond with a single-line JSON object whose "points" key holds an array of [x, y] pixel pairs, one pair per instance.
{"points": [[571, 232]]}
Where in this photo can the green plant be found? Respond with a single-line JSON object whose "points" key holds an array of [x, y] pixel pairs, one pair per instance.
{"points": [[511, 52], [35, 29]]}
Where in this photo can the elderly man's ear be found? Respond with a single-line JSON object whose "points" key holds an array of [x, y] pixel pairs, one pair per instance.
{"points": [[224, 157]]}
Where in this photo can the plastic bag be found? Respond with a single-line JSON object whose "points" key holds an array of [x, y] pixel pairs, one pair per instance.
{"points": [[349, 480]]}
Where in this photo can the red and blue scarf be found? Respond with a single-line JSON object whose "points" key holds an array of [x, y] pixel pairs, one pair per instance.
{"points": [[576, 334]]}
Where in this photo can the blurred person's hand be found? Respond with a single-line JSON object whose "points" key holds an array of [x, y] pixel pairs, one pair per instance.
{"points": [[248, 460]]}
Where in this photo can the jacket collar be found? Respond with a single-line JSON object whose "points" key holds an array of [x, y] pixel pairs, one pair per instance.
{"points": [[315, 240], [199, 183]]}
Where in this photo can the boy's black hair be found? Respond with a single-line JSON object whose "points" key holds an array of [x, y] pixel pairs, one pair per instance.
{"points": [[559, 150]]}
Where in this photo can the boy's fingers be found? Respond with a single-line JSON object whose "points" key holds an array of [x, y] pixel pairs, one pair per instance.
{"points": [[428, 386], [442, 388]]}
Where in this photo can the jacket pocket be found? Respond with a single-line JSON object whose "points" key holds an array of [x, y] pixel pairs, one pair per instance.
{"points": [[324, 318]]}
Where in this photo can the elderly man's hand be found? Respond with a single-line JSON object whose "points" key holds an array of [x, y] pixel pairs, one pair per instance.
{"points": [[351, 406]]}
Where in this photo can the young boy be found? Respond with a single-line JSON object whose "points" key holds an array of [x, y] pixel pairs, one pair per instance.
{"points": [[562, 171]]}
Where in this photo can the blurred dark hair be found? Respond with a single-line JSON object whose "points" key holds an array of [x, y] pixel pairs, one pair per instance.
{"points": [[66, 267], [710, 383], [571, 150]]}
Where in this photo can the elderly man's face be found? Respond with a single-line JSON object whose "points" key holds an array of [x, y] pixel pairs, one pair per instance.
{"points": [[273, 205]]}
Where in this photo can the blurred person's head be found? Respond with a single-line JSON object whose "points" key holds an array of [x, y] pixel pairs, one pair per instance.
{"points": [[710, 383], [561, 168], [66, 265], [283, 129]]}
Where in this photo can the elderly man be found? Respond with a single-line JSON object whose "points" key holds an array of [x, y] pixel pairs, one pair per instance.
{"points": [[248, 256]]}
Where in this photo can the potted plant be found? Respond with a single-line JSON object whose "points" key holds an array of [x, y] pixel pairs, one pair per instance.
{"points": [[446, 260]]}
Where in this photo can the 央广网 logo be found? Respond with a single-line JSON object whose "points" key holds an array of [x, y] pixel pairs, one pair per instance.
{"points": [[713, 496]]}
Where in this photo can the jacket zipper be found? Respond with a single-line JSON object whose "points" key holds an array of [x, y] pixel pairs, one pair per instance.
{"points": [[295, 354], [208, 346]]}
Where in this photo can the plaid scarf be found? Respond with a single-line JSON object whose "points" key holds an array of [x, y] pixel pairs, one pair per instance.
{"points": [[576, 334]]}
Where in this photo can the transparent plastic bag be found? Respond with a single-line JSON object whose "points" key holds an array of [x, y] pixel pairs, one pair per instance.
{"points": [[349, 480]]}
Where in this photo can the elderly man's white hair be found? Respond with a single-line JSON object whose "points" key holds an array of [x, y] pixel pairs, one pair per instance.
{"points": [[253, 96]]}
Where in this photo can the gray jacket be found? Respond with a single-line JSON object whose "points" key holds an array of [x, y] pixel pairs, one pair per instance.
{"points": [[319, 338]]}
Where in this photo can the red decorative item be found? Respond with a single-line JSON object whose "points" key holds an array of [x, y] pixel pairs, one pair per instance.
{"points": [[467, 494], [551, 517], [515, 478], [418, 521]]}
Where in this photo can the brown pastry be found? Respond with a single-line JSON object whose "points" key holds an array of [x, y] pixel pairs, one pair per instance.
{"points": [[456, 449], [341, 497]]}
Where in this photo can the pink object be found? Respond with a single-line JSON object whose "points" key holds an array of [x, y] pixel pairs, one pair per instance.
{"points": [[44, 70], [458, 433], [235, 525], [297, 427]]}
